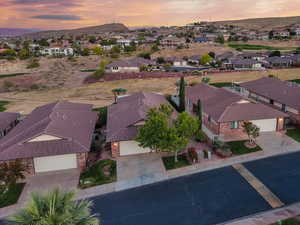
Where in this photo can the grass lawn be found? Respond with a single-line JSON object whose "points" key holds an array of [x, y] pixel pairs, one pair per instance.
{"points": [[170, 163], [288, 222], [294, 133], [222, 84], [12, 75], [2, 105], [12, 195], [95, 175], [238, 148], [258, 47], [296, 81], [88, 71]]}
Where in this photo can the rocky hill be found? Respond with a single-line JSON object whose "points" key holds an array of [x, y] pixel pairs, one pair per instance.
{"points": [[94, 30], [11, 32], [263, 23]]}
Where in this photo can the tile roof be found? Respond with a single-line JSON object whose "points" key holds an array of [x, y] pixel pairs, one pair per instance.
{"points": [[73, 123], [281, 91], [6, 118], [225, 106], [128, 111]]}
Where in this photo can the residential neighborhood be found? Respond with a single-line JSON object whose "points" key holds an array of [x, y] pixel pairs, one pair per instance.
{"points": [[168, 113]]}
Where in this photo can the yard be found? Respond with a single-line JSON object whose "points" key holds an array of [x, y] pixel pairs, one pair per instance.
{"points": [[103, 172], [239, 148], [2, 105], [258, 47], [288, 222], [294, 133], [12, 195], [170, 164]]}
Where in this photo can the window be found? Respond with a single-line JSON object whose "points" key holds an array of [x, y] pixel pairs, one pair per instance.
{"points": [[234, 125], [271, 101], [283, 107]]}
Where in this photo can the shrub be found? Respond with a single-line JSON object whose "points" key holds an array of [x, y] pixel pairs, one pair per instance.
{"points": [[33, 64], [34, 87], [145, 55], [8, 84], [200, 136], [193, 155], [205, 80]]}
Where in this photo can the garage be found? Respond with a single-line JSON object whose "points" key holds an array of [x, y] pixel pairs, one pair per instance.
{"points": [[266, 125], [131, 148], [54, 163]]}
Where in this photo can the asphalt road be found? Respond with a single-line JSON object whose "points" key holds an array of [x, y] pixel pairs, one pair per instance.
{"points": [[204, 198], [201, 199]]}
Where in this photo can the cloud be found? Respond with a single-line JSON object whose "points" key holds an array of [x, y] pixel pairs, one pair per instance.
{"points": [[57, 17]]}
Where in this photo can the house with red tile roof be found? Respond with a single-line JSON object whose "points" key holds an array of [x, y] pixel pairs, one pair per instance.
{"points": [[282, 95], [225, 112], [56, 136], [125, 117]]}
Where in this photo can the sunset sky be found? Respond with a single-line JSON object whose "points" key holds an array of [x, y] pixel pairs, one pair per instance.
{"points": [[58, 14]]}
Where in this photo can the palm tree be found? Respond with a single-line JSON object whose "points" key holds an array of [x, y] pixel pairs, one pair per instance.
{"points": [[55, 208], [117, 92]]}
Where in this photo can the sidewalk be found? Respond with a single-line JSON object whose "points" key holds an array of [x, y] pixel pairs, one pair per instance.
{"points": [[269, 217]]}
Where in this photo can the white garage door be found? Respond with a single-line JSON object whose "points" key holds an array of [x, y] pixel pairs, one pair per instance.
{"points": [[53, 163], [132, 148], [266, 125]]}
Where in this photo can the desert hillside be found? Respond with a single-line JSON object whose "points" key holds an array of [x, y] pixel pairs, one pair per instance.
{"points": [[263, 23]]}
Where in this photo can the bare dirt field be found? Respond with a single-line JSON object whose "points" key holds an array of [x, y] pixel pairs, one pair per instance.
{"points": [[100, 94]]}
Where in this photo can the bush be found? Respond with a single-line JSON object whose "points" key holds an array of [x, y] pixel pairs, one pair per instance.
{"points": [[33, 64], [200, 136], [102, 120], [145, 55], [193, 155], [8, 84]]}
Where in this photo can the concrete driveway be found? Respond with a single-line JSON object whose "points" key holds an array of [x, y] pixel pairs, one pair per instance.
{"points": [[275, 142], [43, 182], [140, 169]]}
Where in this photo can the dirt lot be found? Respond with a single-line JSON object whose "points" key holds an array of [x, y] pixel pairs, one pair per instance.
{"points": [[100, 94]]}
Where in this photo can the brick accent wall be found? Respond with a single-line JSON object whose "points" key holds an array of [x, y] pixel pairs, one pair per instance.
{"points": [[29, 163], [225, 129], [81, 160], [115, 149]]}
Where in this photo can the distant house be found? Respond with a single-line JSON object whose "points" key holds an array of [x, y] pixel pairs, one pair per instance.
{"points": [[224, 56], [57, 51], [243, 64], [201, 40], [279, 62], [225, 112], [281, 34], [8, 121], [282, 95], [56, 136], [195, 59], [254, 56], [125, 117], [297, 31], [129, 65], [172, 42], [176, 61]]}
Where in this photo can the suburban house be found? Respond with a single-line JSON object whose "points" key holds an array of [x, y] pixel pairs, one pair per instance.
{"points": [[224, 113], [279, 94], [243, 64], [56, 136], [8, 121], [124, 119], [281, 33], [172, 42], [129, 65], [201, 40], [279, 62], [57, 51], [176, 61], [297, 31]]}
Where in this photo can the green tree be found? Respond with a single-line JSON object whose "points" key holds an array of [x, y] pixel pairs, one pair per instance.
{"points": [[182, 85], [101, 70], [98, 50], [251, 130], [24, 54], [85, 52], [275, 53], [92, 39], [205, 80], [117, 92], [160, 60], [162, 133], [55, 208], [205, 59], [212, 55], [220, 39], [199, 113]]}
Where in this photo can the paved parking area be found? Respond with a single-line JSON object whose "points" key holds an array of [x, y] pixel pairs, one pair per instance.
{"points": [[200, 199], [281, 174]]}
